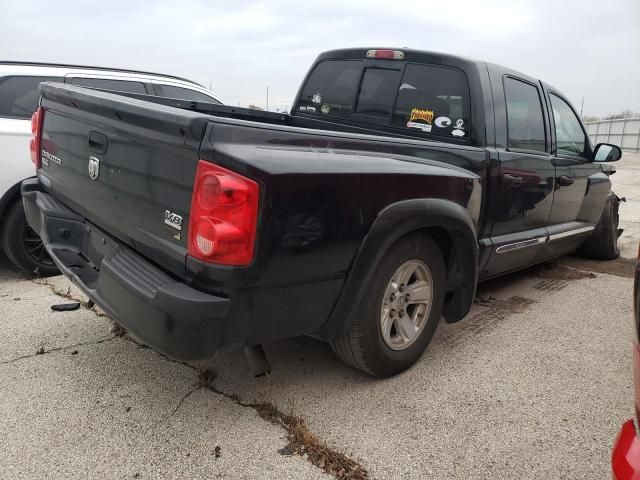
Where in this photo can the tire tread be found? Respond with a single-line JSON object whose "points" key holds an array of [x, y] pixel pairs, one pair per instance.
{"points": [[603, 242], [350, 347], [12, 225]]}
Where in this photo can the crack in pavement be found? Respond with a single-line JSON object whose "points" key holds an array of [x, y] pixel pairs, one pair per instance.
{"points": [[182, 400], [42, 351], [301, 440], [88, 305]]}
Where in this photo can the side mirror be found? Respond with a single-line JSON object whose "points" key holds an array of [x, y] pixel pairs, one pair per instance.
{"points": [[605, 152]]}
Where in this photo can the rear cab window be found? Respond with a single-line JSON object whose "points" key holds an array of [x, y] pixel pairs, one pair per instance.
{"points": [[434, 100], [412, 98], [331, 88], [19, 95]]}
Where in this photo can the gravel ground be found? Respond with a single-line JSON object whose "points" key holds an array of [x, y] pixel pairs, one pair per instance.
{"points": [[533, 384]]}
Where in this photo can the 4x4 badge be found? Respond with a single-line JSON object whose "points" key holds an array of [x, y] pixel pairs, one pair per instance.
{"points": [[94, 168]]}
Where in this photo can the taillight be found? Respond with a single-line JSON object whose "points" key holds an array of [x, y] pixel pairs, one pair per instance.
{"points": [[224, 216], [386, 54], [36, 140]]}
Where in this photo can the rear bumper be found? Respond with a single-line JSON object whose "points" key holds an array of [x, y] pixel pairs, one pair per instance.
{"points": [[168, 315], [625, 458]]}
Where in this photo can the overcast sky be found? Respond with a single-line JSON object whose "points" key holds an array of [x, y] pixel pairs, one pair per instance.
{"points": [[585, 48]]}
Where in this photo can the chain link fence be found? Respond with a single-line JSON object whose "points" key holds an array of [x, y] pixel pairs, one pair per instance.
{"points": [[624, 132]]}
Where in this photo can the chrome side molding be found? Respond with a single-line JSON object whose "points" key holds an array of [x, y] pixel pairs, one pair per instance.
{"points": [[569, 233], [510, 247]]}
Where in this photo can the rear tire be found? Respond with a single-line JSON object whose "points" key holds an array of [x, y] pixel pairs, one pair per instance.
{"points": [[384, 352], [603, 242], [22, 245]]}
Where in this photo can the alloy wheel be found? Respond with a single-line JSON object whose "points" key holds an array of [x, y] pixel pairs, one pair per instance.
{"points": [[406, 304]]}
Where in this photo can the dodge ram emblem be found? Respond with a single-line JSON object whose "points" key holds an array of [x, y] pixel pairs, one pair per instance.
{"points": [[94, 168]]}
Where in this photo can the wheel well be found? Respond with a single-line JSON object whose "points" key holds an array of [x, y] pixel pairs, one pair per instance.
{"points": [[461, 272], [452, 230], [444, 241]]}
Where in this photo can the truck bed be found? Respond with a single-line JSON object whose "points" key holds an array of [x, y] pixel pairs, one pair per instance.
{"points": [[154, 144]]}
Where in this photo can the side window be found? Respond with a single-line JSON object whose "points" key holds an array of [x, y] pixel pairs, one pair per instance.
{"points": [[107, 84], [570, 138], [525, 123], [433, 100], [378, 92], [331, 88], [19, 95], [180, 93]]}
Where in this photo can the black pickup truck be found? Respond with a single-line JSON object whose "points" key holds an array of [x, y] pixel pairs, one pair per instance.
{"points": [[400, 179]]}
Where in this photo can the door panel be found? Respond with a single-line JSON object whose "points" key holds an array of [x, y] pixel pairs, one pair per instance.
{"points": [[525, 185], [522, 181], [581, 186], [584, 198], [524, 194]]}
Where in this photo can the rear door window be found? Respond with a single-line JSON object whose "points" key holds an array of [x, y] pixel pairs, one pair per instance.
{"points": [[126, 86], [525, 123], [19, 95], [181, 93], [331, 88], [433, 100]]}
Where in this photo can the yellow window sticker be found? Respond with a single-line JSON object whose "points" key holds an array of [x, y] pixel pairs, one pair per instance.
{"points": [[421, 119], [424, 115]]}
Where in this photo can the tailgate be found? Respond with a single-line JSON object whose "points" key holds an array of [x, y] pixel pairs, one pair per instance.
{"points": [[125, 165]]}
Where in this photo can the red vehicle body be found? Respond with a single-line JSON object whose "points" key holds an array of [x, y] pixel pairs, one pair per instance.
{"points": [[625, 458]]}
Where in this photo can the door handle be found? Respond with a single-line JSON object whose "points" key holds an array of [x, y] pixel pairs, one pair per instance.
{"points": [[565, 180], [513, 180]]}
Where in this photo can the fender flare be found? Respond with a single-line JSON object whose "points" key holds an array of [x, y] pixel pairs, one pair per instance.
{"points": [[393, 223]]}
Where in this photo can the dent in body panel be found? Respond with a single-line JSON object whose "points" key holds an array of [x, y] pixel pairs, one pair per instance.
{"points": [[584, 199]]}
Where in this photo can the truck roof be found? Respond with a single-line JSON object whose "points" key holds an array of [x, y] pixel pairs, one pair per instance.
{"points": [[411, 55], [420, 56]]}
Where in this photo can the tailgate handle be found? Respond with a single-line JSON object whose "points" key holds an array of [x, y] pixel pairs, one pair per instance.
{"points": [[513, 180], [98, 142]]}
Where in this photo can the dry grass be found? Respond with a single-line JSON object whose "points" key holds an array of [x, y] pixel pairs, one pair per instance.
{"points": [[117, 329], [301, 440]]}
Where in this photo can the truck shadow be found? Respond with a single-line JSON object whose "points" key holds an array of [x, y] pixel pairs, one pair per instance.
{"points": [[307, 364], [304, 364]]}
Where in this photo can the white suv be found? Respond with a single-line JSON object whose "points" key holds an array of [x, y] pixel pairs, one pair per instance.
{"points": [[19, 95]]}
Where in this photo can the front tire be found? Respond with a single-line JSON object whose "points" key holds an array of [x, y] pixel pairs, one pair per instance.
{"points": [[399, 312], [603, 242], [22, 245]]}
